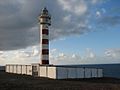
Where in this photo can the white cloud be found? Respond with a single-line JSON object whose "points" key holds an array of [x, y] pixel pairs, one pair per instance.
{"points": [[113, 53], [98, 1], [58, 57], [1, 52], [74, 6], [22, 56], [53, 50], [36, 50], [80, 9], [98, 13], [67, 19], [89, 57], [101, 12], [94, 1], [61, 55], [89, 53]]}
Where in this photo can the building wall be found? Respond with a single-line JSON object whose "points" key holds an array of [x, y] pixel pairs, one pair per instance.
{"points": [[100, 72], [11, 68], [71, 72], [110, 70], [24, 70], [61, 73], [29, 69], [94, 72], [35, 70], [15, 68], [80, 72], [52, 72], [7, 68], [19, 69], [42, 71], [88, 72], [55, 72]]}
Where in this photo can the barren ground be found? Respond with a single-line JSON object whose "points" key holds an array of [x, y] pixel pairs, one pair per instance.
{"points": [[23, 82]]}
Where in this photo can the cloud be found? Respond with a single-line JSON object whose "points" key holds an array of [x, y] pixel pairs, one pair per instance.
{"points": [[113, 53], [18, 21], [63, 58], [67, 18], [90, 57], [94, 1], [19, 28], [1, 52], [110, 20], [22, 56], [89, 53], [36, 51], [74, 6], [98, 13], [53, 50], [58, 57]]}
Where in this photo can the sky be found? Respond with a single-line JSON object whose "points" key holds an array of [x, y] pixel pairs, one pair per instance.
{"points": [[82, 31]]}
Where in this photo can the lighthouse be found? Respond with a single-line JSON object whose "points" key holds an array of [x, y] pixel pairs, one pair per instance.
{"points": [[44, 23]]}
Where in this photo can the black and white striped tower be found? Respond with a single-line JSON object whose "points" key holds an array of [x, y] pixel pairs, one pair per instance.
{"points": [[45, 22]]}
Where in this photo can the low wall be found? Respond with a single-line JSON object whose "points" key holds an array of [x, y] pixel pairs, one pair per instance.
{"points": [[55, 72], [19, 69], [69, 72]]}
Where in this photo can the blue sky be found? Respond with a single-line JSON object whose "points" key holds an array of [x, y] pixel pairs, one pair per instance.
{"points": [[82, 31], [103, 37], [98, 41]]}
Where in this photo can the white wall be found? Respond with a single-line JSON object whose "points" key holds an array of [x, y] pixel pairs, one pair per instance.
{"points": [[88, 73], [35, 70], [15, 68], [29, 69], [80, 72], [24, 70], [19, 69], [94, 72], [42, 71], [56, 72], [61, 73], [7, 68], [71, 72], [100, 72], [11, 68], [52, 72]]}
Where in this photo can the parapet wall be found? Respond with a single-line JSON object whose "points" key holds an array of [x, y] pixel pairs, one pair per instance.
{"points": [[19, 69], [55, 72]]}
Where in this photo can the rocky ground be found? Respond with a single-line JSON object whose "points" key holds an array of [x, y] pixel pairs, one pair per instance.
{"points": [[23, 82]]}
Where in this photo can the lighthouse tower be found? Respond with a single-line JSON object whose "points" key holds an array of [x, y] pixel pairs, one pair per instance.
{"points": [[45, 22]]}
